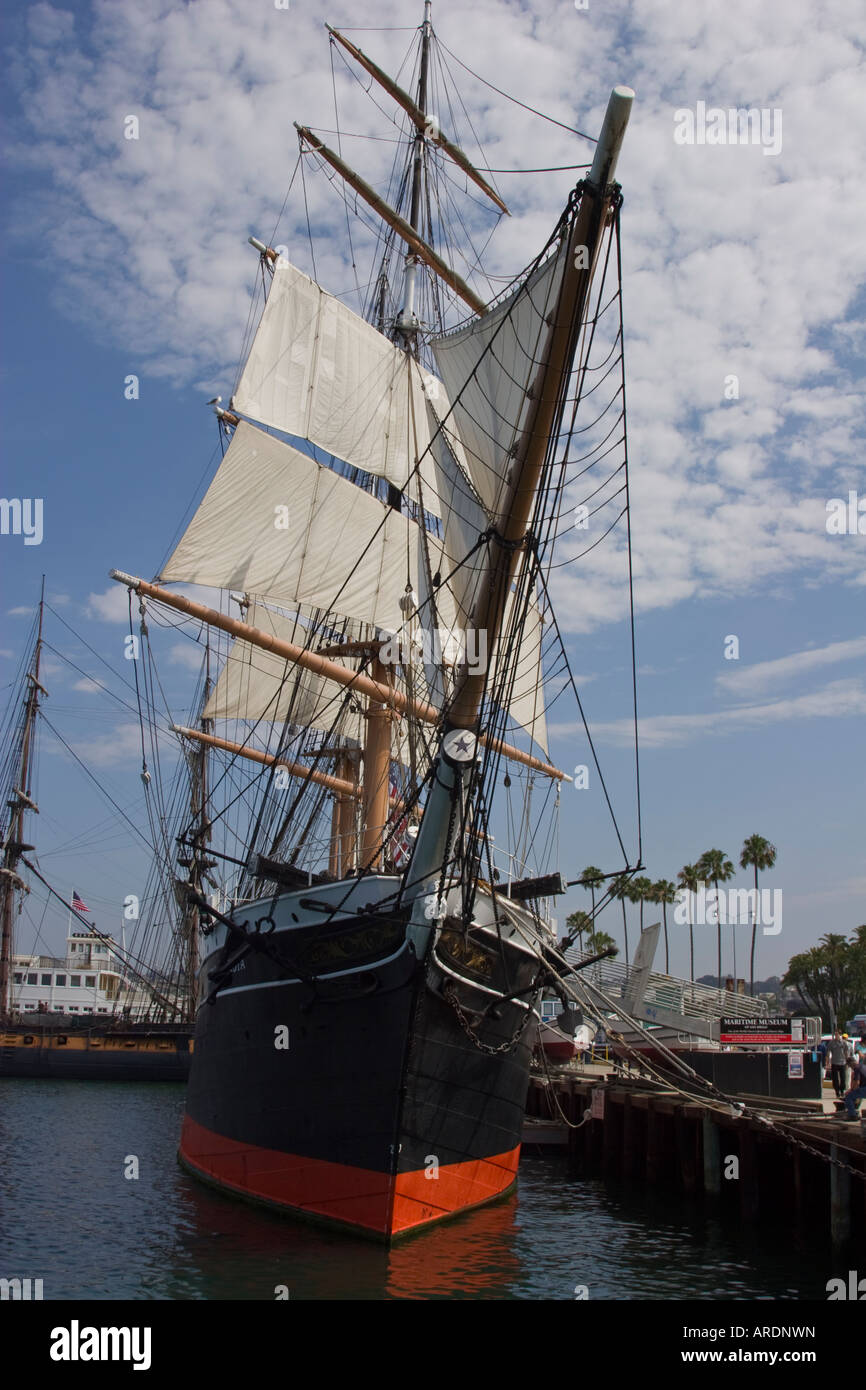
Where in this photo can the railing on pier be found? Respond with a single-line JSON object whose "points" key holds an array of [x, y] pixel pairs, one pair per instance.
{"points": [[667, 992]]}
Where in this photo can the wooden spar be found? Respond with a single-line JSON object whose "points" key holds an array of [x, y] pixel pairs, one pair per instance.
{"points": [[422, 121], [377, 766], [544, 395], [320, 665], [12, 852], [399, 224], [323, 779], [346, 819]]}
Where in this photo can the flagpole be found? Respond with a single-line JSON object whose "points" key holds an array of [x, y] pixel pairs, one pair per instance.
{"points": [[123, 950]]}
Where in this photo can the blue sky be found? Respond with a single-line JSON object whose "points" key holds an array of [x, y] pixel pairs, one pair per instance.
{"points": [[127, 257]]}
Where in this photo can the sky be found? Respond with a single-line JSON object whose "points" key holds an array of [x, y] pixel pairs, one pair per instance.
{"points": [[744, 315]]}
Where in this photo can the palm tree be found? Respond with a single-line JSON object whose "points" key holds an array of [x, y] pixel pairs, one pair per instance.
{"points": [[578, 923], [691, 881], [592, 878], [664, 892], [621, 888], [714, 868], [641, 889], [599, 941], [761, 855]]}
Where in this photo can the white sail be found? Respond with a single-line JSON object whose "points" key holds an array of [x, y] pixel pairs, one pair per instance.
{"points": [[320, 372], [257, 686], [464, 523], [276, 524], [487, 369], [464, 520], [526, 702]]}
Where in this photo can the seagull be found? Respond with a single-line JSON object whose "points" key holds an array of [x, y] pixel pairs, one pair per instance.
{"points": [[216, 400]]}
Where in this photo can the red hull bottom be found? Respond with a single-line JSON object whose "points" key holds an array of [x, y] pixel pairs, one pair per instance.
{"points": [[380, 1205]]}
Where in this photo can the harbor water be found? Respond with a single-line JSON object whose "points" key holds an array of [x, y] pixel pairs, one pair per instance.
{"points": [[95, 1205]]}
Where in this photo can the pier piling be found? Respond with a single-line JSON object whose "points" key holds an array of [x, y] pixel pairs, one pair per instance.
{"points": [[642, 1133]]}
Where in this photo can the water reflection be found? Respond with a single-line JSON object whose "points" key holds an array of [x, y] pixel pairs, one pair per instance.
{"points": [[68, 1215]]}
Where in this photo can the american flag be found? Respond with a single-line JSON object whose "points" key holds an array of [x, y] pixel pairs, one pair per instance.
{"points": [[78, 904]]}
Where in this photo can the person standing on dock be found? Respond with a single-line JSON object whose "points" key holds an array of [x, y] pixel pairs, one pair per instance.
{"points": [[858, 1086], [839, 1053]]}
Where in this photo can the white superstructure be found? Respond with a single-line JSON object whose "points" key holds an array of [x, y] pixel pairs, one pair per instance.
{"points": [[89, 981]]}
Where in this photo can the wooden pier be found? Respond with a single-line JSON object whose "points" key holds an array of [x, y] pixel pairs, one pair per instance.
{"points": [[639, 1132]]}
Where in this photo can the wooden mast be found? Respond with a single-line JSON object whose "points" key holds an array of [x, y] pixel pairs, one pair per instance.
{"points": [[199, 863], [399, 224], [347, 803], [415, 111], [22, 801], [550, 382], [320, 665], [457, 752], [408, 321], [377, 770]]}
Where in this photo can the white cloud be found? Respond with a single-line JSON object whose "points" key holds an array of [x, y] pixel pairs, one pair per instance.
{"points": [[753, 680], [87, 685], [187, 654], [119, 747], [735, 263], [837, 700], [112, 606]]}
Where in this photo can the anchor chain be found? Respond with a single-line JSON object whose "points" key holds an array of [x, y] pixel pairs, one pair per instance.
{"points": [[449, 993]]}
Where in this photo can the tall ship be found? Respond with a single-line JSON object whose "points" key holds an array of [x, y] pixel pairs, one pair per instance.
{"points": [[107, 1010], [379, 538]]}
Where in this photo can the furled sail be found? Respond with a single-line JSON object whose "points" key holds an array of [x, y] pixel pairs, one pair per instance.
{"points": [[258, 686], [320, 372], [487, 368]]}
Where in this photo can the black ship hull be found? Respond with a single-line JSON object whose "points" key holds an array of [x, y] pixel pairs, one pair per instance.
{"points": [[376, 1095], [53, 1050]]}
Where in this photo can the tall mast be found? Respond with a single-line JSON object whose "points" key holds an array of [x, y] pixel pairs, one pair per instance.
{"points": [[198, 864], [408, 321], [20, 801], [459, 743], [421, 119], [545, 393], [423, 250]]}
